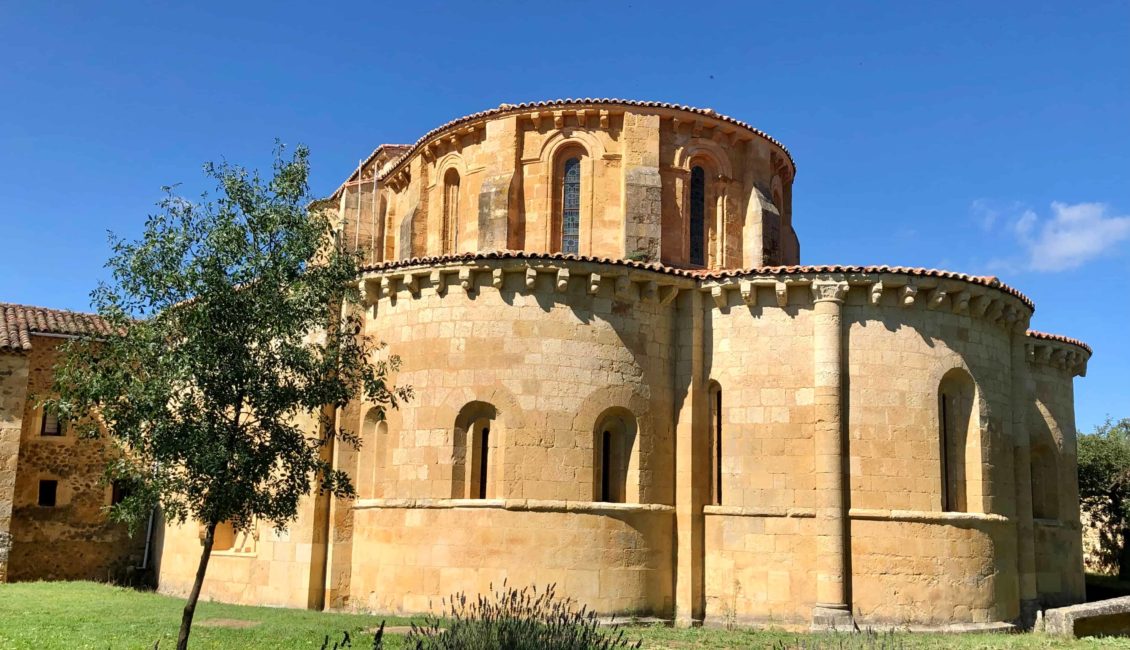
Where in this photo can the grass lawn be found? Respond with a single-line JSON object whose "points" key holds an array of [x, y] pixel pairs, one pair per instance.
{"points": [[46, 615]]}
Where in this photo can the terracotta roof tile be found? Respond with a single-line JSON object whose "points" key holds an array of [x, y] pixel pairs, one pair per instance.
{"points": [[587, 101], [1044, 336], [987, 281], [19, 322]]}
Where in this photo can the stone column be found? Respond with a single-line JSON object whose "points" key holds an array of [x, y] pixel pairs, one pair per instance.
{"points": [[691, 421], [496, 196], [833, 607], [1023, 398]]}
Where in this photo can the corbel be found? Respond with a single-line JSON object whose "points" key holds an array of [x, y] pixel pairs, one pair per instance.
{"points": [[412, 283], [996, 308], [594, 283], [937, 296], [697, 129], [719, 137], [535, 117], [735, 137], [387, 288], [876, 294], [961, 302], [496, 278], [603, 119], [562, 280], [719, 295], [782, 291], [559, 119], [979, 305], [909, 293], [667, 294], [1043, 354], [675, 125], [370, 291], [582, 117], [749, 293], [467, 280], [622, 284], [439, 282], [650, 290], [531, 277]]}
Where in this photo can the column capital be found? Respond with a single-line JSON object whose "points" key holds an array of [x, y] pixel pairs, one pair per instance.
{"points": [[826, 291]]}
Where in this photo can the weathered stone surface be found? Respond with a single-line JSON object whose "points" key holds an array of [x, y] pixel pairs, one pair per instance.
{"points": [[1100, 618]]}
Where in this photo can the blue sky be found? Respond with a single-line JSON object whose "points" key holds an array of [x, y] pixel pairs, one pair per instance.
{"points": [[983, 137]]}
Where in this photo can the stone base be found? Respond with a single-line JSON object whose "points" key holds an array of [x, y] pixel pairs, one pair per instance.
{"points": [[838, 618], [1100, 618]]}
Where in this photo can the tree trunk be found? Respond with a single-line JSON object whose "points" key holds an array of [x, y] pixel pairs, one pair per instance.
{"points": [[190, 606], [1124, 556]]}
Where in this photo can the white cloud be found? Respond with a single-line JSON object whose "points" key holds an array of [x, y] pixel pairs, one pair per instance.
{"points": [[1073, 235]]}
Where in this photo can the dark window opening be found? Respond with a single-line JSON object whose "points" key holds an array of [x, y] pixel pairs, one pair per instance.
{"points": [[119, 491], [698, 216], [50, 425], [48, 492], [484, 447], [606, 467], [718, 447], [944, 424]]}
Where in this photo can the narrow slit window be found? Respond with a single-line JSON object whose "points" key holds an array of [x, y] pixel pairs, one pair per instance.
{"points": [[606, 467], [484, 464], [717, 456], [698, 217], [450, 210], [571, 207]]}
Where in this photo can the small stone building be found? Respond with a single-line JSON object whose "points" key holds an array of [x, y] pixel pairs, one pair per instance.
{"points": [[53, 497], [627, 384]]}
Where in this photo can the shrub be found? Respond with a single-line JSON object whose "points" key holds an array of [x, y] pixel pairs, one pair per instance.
{"points": [[514, 620]]}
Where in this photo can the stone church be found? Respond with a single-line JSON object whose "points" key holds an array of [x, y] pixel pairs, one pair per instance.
{"points": [[627, 384]]}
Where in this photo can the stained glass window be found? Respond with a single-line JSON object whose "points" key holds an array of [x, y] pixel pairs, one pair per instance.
{"points": [[698, 216], [571, 207]]}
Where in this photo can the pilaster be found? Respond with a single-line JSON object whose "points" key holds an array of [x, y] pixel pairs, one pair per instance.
{"points": [[691, 421], [643, 200], [1022, 399]]}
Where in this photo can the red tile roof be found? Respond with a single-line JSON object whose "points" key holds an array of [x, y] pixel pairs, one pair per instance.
{"points": [[394, 149], [19, 322], [561, 103], [983, 280], [1044, 336]]}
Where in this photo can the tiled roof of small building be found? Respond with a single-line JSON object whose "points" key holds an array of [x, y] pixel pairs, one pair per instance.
{"points": [[703, 274], [19, 322], [587, 101], [1045, 336]]}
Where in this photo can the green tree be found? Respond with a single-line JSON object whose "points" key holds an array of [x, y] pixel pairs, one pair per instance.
{"points": [[1104, 489], [238, 338]]}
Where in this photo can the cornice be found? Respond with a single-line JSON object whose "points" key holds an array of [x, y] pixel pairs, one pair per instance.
{"points": [[1058, 352], [979, 297]]}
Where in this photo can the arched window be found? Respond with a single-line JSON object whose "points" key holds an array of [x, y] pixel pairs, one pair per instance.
{"points": [[960, 437], [614, 441], [450, 210], [571, 206], [715, 395], [475, 468], [698, 216]]}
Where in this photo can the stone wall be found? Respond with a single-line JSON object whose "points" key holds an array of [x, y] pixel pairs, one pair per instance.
{"points": [[612, 557], [13, 394], [73, 540], [833, 474]]}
